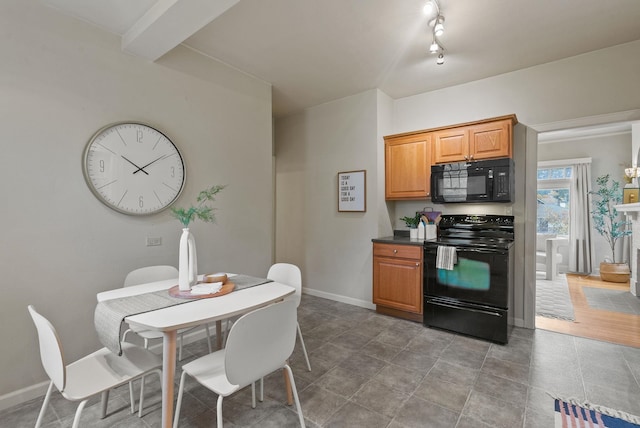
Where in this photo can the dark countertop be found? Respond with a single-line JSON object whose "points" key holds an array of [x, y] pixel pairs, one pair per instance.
{"points": [[403, 240]]}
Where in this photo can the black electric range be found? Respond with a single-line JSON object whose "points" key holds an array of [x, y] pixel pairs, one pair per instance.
{"points": [[471, 296]]}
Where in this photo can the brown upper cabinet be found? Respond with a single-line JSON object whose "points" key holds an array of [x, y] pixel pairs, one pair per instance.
{"points": [[408, 166], [486, 140], [409, 156]]}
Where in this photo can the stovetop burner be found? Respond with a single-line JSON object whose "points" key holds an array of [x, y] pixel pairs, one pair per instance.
{"points": [[487, 231]]}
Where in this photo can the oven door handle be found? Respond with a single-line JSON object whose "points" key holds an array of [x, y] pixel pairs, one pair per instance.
{"points": [[466, 308], [481, 250]]}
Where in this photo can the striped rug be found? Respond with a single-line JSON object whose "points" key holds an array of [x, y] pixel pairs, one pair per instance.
{"points": [[570, 414]]}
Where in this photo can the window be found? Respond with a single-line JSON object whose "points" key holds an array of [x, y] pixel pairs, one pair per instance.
{"points": [[554, 193]]}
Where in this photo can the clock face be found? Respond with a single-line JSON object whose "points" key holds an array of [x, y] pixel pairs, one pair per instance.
{"points": [[133, 168]]}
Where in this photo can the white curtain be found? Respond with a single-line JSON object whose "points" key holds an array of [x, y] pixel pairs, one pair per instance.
{"points": [[580, 246]]}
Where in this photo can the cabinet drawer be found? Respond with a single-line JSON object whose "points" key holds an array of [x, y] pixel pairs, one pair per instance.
{"points": [[398, 250]]}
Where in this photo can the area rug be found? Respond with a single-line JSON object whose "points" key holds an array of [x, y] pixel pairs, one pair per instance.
{"points": [[553, 299], [612, 300], [570, 413]]}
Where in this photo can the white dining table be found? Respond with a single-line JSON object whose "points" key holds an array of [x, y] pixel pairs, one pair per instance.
{"points": [[196, 312]]}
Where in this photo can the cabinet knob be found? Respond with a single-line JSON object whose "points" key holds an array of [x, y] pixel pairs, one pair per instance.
{"points": [[395, 251], [417, 264], [471, 157]]}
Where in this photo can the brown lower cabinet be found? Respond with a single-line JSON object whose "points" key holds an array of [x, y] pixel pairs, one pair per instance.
{"points": [[397, 280]]}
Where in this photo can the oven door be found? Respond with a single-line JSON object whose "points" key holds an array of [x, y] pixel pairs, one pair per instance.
{"points": [[481, 276]]}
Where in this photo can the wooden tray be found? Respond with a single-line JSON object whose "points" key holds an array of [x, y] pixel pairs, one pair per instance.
{"points": [[227, 288]]}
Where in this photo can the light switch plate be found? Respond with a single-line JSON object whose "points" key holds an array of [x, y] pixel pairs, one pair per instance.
{"points": [[154, 242]]}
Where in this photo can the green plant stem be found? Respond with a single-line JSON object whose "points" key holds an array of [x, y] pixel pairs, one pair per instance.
{"points": [[201, 210]]}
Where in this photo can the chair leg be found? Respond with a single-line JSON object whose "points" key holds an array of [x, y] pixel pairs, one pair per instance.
{"points": [[104, 399], [44, 405], [76, 419], [179, 401], [180, 347], [261, 389], [219, 411], [206, 327], [131, 399], [295, 395], [253, 395], [226, 332], [304, 348], [140, 402]]}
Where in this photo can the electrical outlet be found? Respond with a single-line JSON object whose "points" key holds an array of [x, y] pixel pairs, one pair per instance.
{"points": [[154, 242]]}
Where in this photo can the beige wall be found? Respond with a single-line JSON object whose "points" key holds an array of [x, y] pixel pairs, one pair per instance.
{"points": [[60, 81], [332, 248]]}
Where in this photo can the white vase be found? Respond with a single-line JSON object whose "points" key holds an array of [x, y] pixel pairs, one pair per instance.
{"points": [[187, 262]]}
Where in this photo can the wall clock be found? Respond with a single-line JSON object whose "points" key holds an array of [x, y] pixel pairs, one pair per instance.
{"points": [[133, 168]]}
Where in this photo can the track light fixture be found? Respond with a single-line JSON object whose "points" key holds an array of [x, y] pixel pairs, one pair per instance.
{"points": [[432, 9], [438, 27], [435, 47]]}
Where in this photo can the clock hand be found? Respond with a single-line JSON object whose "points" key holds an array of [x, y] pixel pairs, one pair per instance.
{"points": [[154, 161], [140, 169]]}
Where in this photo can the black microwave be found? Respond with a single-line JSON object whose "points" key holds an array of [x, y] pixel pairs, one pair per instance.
{"points": [[489, 180]]}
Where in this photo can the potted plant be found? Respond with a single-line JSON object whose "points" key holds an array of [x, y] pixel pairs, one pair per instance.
{"points": [[187, 258], [412, 224], [608, 223]]}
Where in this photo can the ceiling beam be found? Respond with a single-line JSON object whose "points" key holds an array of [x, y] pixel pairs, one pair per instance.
{"points": [[168, 23]]}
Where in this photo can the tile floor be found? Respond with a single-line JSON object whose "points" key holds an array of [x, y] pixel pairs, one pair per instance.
{"points": [[371, 370]]}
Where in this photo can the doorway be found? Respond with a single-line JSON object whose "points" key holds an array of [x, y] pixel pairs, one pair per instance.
{"points": [[552, 219]]}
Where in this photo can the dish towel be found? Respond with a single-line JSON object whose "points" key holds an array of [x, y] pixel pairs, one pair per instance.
{"points": [[446, 257]]}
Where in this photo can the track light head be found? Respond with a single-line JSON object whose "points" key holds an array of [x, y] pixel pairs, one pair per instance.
{"points": [[431, 8], [440, 59], [438, 28]]}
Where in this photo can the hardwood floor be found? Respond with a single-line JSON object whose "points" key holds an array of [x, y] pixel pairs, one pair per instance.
{"points": [[614, 327]]}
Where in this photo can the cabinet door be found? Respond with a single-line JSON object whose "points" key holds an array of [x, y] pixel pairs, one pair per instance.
{"points": [[490, 140], [397, 283], [408, 167], [450, 145]]}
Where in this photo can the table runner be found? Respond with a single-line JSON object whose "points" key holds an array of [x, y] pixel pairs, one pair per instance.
{"points": [[110, 314]]}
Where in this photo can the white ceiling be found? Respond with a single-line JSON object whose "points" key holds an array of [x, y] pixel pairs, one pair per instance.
{"points": [[314, 51]]}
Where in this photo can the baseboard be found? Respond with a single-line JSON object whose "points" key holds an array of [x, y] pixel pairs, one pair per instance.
{"points": [[339, 298], [517, 322], [23, 395]]}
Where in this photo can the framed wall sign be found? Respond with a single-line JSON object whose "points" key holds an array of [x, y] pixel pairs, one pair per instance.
{"points": [[352, 191]]}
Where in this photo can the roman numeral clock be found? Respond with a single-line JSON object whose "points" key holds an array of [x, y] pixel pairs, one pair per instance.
{"points": [[133, 168]]}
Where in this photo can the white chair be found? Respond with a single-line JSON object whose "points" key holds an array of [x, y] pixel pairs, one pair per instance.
{"points": [[258, 344], [286, 273], [94, 374], [152, 274], [548, 256]]}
